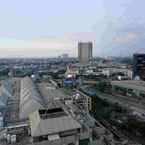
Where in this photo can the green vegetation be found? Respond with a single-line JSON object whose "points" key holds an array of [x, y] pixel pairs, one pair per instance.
{"points": [[55, 76], [67, 89], [3, 77], [126, 60], [4, 74], [102, 86], [104, 110], [84, 142]]}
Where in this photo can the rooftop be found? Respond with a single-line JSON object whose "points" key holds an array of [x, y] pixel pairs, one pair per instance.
{"points": [[50, 93], [51, 121], [5, 91], [51, 113], [30, 99]]}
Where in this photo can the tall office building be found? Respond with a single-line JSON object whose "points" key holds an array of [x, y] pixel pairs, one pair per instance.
{"points": [[139, 66], [85, 52]]}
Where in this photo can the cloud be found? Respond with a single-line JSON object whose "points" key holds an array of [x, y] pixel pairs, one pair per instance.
{"points": [[42, 46], [128, 37], [48, 46], [82, 36]]}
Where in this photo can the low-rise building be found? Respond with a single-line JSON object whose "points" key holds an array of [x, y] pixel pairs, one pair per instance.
{"points": [[82, 100], [54, 126], [131, 88], [110, 71]]}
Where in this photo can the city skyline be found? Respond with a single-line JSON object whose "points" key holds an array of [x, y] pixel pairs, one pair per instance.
{"points": [[42, 28]]}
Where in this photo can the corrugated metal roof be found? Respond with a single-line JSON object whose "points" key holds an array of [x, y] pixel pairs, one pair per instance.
{"points": [[30, 99], [5, 92], [49, 93], [51, 125]]}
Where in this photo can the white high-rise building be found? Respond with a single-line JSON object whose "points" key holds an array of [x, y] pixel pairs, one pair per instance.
{"points": [[85, 52]]}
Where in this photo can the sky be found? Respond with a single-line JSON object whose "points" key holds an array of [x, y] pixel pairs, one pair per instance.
{"points": [[48, 28]]}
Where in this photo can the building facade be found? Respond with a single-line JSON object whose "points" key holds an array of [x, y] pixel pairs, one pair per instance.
{"points": [[139, 66], [130, 88], [85, 52]]}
